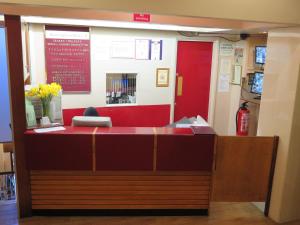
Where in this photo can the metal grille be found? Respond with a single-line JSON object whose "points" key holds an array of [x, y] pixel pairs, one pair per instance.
{"points": [[121, 88]]}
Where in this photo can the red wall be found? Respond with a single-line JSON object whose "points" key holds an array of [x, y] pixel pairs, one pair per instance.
{"points": [[128, 116]]}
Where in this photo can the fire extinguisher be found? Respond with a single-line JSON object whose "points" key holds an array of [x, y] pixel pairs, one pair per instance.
{"points": [[242, 120]]}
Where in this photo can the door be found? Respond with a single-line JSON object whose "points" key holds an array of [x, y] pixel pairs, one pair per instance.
{"points": [[193, 79], [5, 131]]}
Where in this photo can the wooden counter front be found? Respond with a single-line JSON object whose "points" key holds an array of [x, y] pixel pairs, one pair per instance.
{"points": [[120, 168]]}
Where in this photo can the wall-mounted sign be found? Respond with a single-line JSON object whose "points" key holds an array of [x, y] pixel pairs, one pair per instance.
{"points": [[226, 49], [225, 66], [156, 49], [67, 52], [238, 56], [142, 49], [223, 85], [140, 17], [123, 49], [236, 78]]}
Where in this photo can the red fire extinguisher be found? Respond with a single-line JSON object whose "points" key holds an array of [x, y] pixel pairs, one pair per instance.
{"points": [[242, 120]]}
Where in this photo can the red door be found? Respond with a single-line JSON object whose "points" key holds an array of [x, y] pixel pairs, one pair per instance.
{"points": [[193, 79]]}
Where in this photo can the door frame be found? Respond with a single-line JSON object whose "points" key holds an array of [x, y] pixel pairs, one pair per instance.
{"points": [[213, 79]]}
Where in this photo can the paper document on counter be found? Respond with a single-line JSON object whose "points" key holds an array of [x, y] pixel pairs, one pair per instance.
{"points": [[48, 129]]}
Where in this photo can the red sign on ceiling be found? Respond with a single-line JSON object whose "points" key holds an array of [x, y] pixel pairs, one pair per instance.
{"points": [[140, 17]]}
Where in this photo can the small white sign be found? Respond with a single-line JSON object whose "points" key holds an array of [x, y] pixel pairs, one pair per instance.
{"points": [[59, 34], [102, 50], [223, 85], [156, 49], [225, 67], [226, 49], [123, 49], [236, 79], [142, 49], [238, 56]]}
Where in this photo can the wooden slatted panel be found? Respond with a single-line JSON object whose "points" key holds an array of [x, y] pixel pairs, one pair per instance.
{"points": [[165, 196], [118, 173], [120, 190], [132, 178], [119, 183], [109, 192], [120, 206], [242, 168]]}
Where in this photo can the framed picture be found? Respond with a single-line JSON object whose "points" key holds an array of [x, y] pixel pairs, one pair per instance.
{"points": [[162, 77]]}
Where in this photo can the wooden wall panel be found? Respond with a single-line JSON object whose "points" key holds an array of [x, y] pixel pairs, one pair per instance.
{"points": [[124, 190], [16, 78], [242, 168]]}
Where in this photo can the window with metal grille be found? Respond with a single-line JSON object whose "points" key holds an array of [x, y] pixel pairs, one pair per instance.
{"points": [[121, 88]]}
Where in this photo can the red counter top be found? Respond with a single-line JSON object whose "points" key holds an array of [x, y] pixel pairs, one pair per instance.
{"points": [[129, 130]]}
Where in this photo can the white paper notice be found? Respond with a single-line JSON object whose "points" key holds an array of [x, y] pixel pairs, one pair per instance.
{"points": [[60, 34], [237, 74], [123, 49], [223, 85], [102, 50], [142, 49], [156, 49], [225, 66], [226, 49], [238, 56]]}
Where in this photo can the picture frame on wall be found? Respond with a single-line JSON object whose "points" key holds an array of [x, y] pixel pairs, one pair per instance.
{"points": [[162, 77]]}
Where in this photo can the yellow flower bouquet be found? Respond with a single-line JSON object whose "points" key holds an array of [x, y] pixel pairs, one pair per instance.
{"points": [[45, 92]]}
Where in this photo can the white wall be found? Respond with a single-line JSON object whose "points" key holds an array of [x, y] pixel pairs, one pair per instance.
{"points": [[280, 115], [37, 54], [223, 105], [227, 103], [147, 92]]}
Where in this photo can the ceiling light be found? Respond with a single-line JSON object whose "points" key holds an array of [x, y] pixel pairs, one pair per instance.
{"points": [[115, 24]]}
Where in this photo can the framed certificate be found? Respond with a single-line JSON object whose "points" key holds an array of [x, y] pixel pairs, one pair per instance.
{"points": [[162, 77]]}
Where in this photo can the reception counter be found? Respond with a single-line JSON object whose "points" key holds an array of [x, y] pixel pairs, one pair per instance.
{"points": [[87, 168]]}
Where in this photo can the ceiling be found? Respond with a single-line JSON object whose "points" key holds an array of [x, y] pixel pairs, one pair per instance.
{"points": [[233, 26]]}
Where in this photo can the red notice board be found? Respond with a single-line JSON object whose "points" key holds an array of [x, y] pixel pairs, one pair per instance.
{"points": [[67, 51]]}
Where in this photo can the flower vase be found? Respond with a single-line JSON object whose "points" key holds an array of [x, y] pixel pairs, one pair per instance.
{"points": [[46, 107]]}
